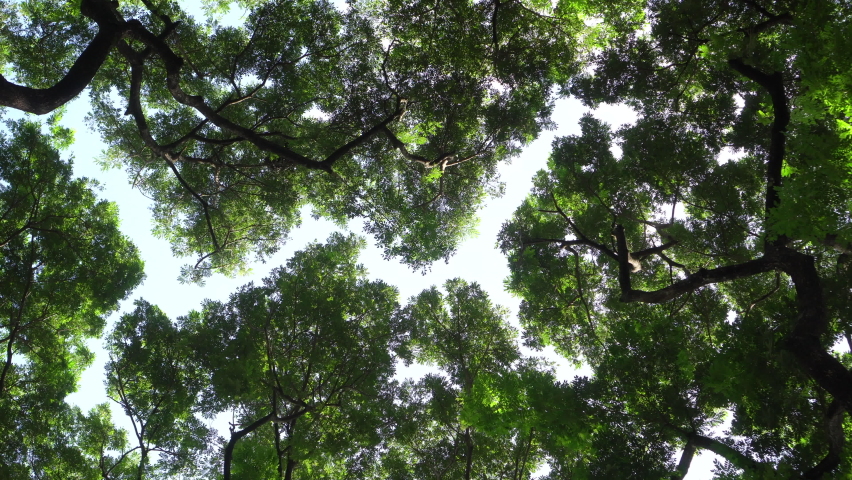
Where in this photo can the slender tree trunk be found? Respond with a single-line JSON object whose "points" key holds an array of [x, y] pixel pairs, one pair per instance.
{"points": [[278, 453], [685, 460], [468, 440], [291, 465]]}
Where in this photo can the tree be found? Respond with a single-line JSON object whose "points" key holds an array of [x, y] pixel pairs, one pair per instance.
{"points": [[64, 267], [733, 304], [445, 426], [697, 286], [394, 112], [303, 363], [151, 375]]}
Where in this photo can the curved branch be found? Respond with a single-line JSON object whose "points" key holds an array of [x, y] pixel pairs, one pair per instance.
{"points": [[599, 246], [737, 458], [691, 283], [766, 295], [235, 436], [642, 254], [173, 64], [774, 85], [44, 100], [400, 146], [135, 108], [361, 139]]}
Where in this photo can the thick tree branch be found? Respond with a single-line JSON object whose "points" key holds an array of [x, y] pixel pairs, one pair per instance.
{"points": [[697, 280], [468, 441], [692, 282], [804, 341], [774, 85], [782, 19], [685, 460], [44, 100], [236, 436], [737, 458]]}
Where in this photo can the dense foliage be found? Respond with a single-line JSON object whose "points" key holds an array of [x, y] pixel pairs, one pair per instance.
{"points": [[393, 112], [697, 284], [64, 267], [697, 260]]}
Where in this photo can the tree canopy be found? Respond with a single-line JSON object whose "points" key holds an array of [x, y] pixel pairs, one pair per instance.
{"points": [[65, 266], [394, 112], [696, 260], [696, 284]]}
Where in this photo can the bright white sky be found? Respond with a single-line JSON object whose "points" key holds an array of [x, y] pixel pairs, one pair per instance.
{"points": [[477, 260]]}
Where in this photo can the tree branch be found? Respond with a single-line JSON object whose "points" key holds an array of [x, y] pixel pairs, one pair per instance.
{"points": [[135, 108], [44, 100], [774, 85], [642, 254], [235, 436], [737, 458], [685, 460], [400, 146], [173, 64]]}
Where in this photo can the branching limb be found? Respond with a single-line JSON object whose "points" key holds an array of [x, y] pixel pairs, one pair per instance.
{"points": [[438, 195], [673, 263], [766, 295], [782, 19], [44, 100], [237, 435], [361, 139], [562, 243], [598, 246], [642, 254], [692, 282], [774, 85], [400, 146], [737, 458], [135, 108], [173, 65]]}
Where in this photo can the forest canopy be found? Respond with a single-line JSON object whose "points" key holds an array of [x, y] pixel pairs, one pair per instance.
{"points": [[696, 260]]}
